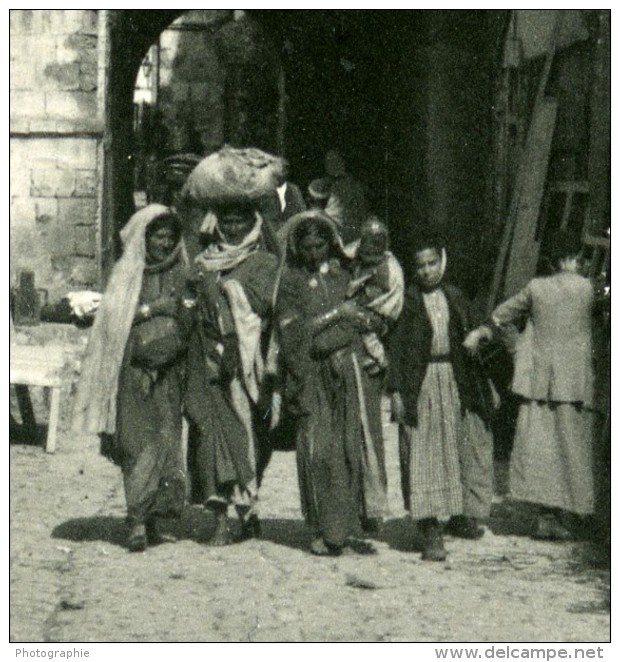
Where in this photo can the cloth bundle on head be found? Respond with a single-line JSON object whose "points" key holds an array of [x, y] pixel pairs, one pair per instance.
{"points": [[234, 176]]}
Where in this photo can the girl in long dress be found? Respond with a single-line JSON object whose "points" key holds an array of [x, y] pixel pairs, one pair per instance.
{"points": [[442, 404]]}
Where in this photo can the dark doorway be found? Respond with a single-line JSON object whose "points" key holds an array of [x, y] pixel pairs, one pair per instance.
{"points": [[406, 97]]}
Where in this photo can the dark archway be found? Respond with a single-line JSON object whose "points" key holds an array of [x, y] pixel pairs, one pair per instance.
{"points": [[130, 34], [406, 95]]}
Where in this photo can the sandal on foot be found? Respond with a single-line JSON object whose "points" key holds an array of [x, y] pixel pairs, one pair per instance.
{"points": [[250, 528], [136, 541], [548, 527], [359, 546], [222, 535], [462, 526], [155, 537]]}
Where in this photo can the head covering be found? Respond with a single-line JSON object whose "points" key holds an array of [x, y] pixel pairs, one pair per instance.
{"points": [[288, 240], [312, 217], [374, 226], [377, 232], [221, 256], [178, 167], [443, 257], [95, 401], [320, 189], [232, 176]]}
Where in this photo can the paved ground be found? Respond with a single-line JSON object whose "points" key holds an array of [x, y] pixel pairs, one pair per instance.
{"points": [[73, 581]]}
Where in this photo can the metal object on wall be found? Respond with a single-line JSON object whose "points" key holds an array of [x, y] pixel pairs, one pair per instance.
{"points": [[27, 300]]}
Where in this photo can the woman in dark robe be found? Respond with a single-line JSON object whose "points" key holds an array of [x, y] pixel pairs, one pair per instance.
{"points": [[233, 283], [130, 388], [320, 337]]}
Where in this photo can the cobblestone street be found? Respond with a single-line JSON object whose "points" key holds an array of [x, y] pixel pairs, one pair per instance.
{"points": [[72, 580]]}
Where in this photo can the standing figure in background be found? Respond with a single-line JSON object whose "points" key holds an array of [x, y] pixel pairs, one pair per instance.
{"points": [[290, 197], [280, 204], [130, 387], [442, 404], [347, 203], [551, 463]]}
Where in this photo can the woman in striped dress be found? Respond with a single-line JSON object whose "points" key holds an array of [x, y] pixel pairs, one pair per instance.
{"points": [[442, 404]]}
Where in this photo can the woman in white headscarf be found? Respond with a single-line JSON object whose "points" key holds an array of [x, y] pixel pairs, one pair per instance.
{"points": [[130, 387]]}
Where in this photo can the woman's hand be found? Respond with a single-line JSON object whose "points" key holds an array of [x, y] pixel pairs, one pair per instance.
{"points": [[398, 408], [363, 319], [348, 310], [475, 337], [230, 361]]}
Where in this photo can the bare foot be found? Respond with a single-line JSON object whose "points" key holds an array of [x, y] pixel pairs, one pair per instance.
{"points": [[222, 535]]}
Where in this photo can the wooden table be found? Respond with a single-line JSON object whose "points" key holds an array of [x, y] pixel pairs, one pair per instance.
{"points": [[44, 366]]}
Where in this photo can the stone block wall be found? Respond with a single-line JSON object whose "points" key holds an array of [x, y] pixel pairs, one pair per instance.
{"points": [[55, 134]]}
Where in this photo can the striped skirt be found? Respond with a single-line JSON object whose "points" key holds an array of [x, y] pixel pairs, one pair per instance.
{"points": [[431, 470]]}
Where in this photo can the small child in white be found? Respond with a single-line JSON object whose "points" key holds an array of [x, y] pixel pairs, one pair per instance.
{"points": [[377, 284]]}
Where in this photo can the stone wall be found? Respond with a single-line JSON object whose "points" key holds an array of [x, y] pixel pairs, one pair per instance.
{"points": [[55, 132]]}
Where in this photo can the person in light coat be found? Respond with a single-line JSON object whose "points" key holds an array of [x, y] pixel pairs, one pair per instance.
{"points": [[552, 459]]}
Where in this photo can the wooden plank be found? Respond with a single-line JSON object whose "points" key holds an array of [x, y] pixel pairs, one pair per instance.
{"points": [[525, 249], [522, 171], [52, 425], [36, 365]]}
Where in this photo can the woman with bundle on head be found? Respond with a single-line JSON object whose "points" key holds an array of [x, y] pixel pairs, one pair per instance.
{"points": [[232, 286], [320, 334], [130, 387], [551, 463], [442, 404]]}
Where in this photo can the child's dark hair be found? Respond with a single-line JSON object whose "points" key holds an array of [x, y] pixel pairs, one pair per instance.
{"points": [[424, 239], [566, 243]]}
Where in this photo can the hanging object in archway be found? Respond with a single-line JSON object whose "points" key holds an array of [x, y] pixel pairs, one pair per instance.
{"points": [[234, 176]]}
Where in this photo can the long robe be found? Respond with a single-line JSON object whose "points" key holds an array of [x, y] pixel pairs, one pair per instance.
{"points": [[338, 468], [446, 449], [227, 450], [147, 443]]}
